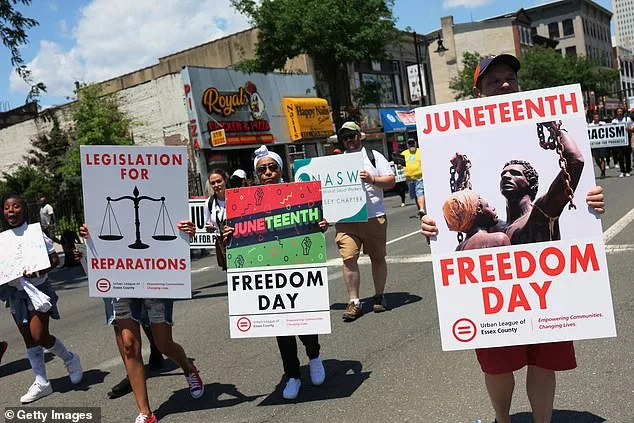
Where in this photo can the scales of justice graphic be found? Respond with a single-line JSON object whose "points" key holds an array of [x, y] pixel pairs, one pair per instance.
{"points": [[161, 218]]}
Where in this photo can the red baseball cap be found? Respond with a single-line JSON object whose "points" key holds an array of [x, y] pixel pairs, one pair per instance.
{"points": [[488, 61]]}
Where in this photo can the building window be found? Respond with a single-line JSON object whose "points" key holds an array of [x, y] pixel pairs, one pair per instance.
{"points": [[568, 27], [553, 30], [571, 51]]}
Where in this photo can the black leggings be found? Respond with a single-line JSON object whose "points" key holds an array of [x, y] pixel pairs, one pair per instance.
{"points": [[288, 351]]}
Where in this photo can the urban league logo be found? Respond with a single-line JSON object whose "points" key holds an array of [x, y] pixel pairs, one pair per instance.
{"points": [[244, 324], [103, 285]]}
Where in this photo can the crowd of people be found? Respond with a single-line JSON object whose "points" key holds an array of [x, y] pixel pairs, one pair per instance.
{"points": [[464, 212], [622, 155]]}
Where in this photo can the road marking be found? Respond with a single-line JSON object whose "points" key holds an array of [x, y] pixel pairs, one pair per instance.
{"points": [[403, 237], [617, 227]]}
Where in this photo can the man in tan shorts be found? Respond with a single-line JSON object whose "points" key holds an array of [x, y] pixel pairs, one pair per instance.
{"points": [[377, 175]]}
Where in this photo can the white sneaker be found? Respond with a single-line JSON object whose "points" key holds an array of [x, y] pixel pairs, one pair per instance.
{"points": [[36, 391], [292, 388], [627, 174], [607, 166], [621, 175], [317, 371], [73, 367]]}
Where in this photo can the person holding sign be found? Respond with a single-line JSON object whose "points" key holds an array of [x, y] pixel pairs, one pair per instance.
{"points": [[497, 75], [625, 157], [33, 302], [216, 214], [268, 167], [127, 315], [599, 154], [372, 235]]}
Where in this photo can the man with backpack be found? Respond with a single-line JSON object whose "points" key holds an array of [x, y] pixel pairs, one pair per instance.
{"points": [[377, 176]]}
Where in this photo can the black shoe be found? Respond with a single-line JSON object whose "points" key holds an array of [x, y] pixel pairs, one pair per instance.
{"points": [[156, 361], [120, 389]]}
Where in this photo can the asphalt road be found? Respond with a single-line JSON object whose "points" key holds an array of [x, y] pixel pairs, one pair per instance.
{"points": [[381, 368]]}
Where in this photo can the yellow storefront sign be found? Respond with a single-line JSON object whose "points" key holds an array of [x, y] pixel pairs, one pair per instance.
{"points": [[308, 117], [218, 138]]}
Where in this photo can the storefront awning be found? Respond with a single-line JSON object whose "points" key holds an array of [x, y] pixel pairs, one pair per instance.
{"points": [[398, 120], [308, 117]]}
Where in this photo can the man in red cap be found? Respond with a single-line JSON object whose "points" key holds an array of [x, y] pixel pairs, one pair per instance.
{"points": [[496, 75]]}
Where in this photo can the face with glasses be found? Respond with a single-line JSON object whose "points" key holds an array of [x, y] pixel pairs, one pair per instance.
{"points": [[268, 171], [351, 141]]}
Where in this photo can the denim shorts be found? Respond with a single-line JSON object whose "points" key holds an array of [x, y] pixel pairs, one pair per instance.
{"points": [[416, 188], [20, 303], [144, 311]]}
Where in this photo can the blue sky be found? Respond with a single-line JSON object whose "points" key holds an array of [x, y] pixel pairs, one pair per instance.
{"points": [[93, 40]]}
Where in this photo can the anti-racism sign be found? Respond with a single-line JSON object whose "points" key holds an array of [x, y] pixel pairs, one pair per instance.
{"points": [[538, 272], [276, 261], [202, 239], [609, 135], [23, 250], [133, 199], [399, 173], [344, 196]]}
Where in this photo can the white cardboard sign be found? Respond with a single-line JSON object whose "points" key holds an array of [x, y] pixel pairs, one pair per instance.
{"points": [[133, 199], [551, 283], [23, 249]]}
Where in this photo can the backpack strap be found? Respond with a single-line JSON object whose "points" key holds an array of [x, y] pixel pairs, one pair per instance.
{"points": [[370, 154]]}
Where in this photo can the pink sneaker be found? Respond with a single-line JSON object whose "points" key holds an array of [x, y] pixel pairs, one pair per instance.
{"points": [[196, 386], [142, 418]]}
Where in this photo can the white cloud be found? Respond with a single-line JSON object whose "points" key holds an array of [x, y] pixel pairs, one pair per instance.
{"points": [[469, 4], [62, 27], [113, 37]]}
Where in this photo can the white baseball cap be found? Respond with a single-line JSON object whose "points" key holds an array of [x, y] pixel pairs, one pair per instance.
{"points": [[240, 174]]}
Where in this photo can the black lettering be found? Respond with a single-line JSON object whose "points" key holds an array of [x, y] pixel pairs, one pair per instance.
{"points": [[263, 302], [315, 278], [280, 280], [294, 276], [278, 303], [292, 298]]}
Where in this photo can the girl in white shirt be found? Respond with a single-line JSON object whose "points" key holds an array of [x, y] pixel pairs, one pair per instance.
{"points": [[216, 214]]}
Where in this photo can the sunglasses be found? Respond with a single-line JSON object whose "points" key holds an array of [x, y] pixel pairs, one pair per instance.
{"points": [[273, 167], [348, 137]]}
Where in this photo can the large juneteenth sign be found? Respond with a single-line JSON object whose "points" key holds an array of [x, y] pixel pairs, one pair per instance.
{"points": [[538, 272], [133, 198], [276, 261]]}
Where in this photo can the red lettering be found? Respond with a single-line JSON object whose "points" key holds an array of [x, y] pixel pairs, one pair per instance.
{"points": [[505, 112], [491, 108], [543, 261], [519, 257], [486, 300], [541, 293], [565, 103], [478, 115], [551, 102], [576, 258], [445, 125], [517, 110], [460, 118], [537, 109], [518, 299], [486, 268], [466, 265], [94, 263], [504, 265], [188, 88], [446, 270]]}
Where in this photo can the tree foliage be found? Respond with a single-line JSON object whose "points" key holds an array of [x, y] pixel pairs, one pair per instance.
{"points": [[462, 85], [543, 67], [99, 120], [13, 27], [368, 93], [49, 151], [27, 181], [331, 32]]}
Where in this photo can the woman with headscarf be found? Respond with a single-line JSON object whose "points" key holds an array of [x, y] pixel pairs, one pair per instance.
{"points": [[467, 212], [268, 168]]}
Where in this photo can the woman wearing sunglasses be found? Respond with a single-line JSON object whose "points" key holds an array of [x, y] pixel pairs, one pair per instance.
{"points": [[268, 168]]}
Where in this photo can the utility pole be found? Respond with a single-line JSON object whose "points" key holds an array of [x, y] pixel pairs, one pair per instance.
{"points": [[419, 69]]}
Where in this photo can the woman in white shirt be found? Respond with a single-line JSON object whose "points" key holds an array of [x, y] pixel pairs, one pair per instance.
{"points": [[215, 212], [33, 302]]}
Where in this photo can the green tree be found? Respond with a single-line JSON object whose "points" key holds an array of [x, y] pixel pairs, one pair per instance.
{"points": [[543, 67], [27, 181], [49, 151], [331, 32], [99, 120], [462, 84], [13, 27]]}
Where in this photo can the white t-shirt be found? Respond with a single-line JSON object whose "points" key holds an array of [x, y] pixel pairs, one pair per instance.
{"points": [[374, 194], [626, 120], [217, 215], [597, 124], [46, 214], [50, 249]]}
